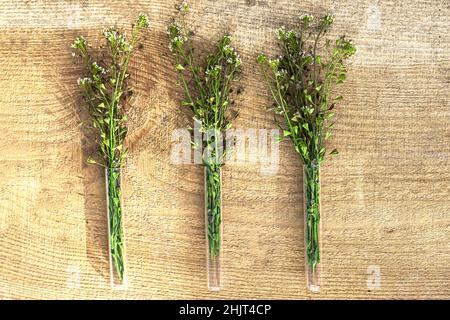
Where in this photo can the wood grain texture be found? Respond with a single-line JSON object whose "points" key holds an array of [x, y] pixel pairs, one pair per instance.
{"points": [[385, 198]]}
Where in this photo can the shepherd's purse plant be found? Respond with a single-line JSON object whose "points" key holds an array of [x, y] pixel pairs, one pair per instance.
{"points": [[207, 86], [106, 93], [302, 82]]}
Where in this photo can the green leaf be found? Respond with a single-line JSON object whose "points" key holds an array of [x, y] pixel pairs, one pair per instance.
{"points": [[318, 59], [334, 152], [186, 103], [194, 145], [261, 58], [125, 153], [279, 138], [286, 133], [303, 147], [308, 60]]}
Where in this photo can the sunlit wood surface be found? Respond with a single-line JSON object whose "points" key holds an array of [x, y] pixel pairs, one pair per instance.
{"points": [[385, 198]]}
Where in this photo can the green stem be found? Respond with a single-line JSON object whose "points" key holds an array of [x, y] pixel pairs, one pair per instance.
{"points": [[113, 172], [213, 208], [312, 204], [116, 220]]}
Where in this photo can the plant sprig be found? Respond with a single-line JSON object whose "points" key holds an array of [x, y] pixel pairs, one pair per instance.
{"points": [[301, 82], [207, 89], [106, 92], [207, 86]]}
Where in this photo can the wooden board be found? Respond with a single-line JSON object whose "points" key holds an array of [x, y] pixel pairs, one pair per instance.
{"points": [[385, 198]]}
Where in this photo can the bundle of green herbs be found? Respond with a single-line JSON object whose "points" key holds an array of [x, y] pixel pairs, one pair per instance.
{"points": [[207, 85], [302, 82], [106, 93]]}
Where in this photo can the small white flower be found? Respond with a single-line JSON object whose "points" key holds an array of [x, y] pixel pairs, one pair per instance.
{"points": [[274, 63], [306, 17], [83, 81], [227, 49], [184, 7], [238, 61], [280, 32]]}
